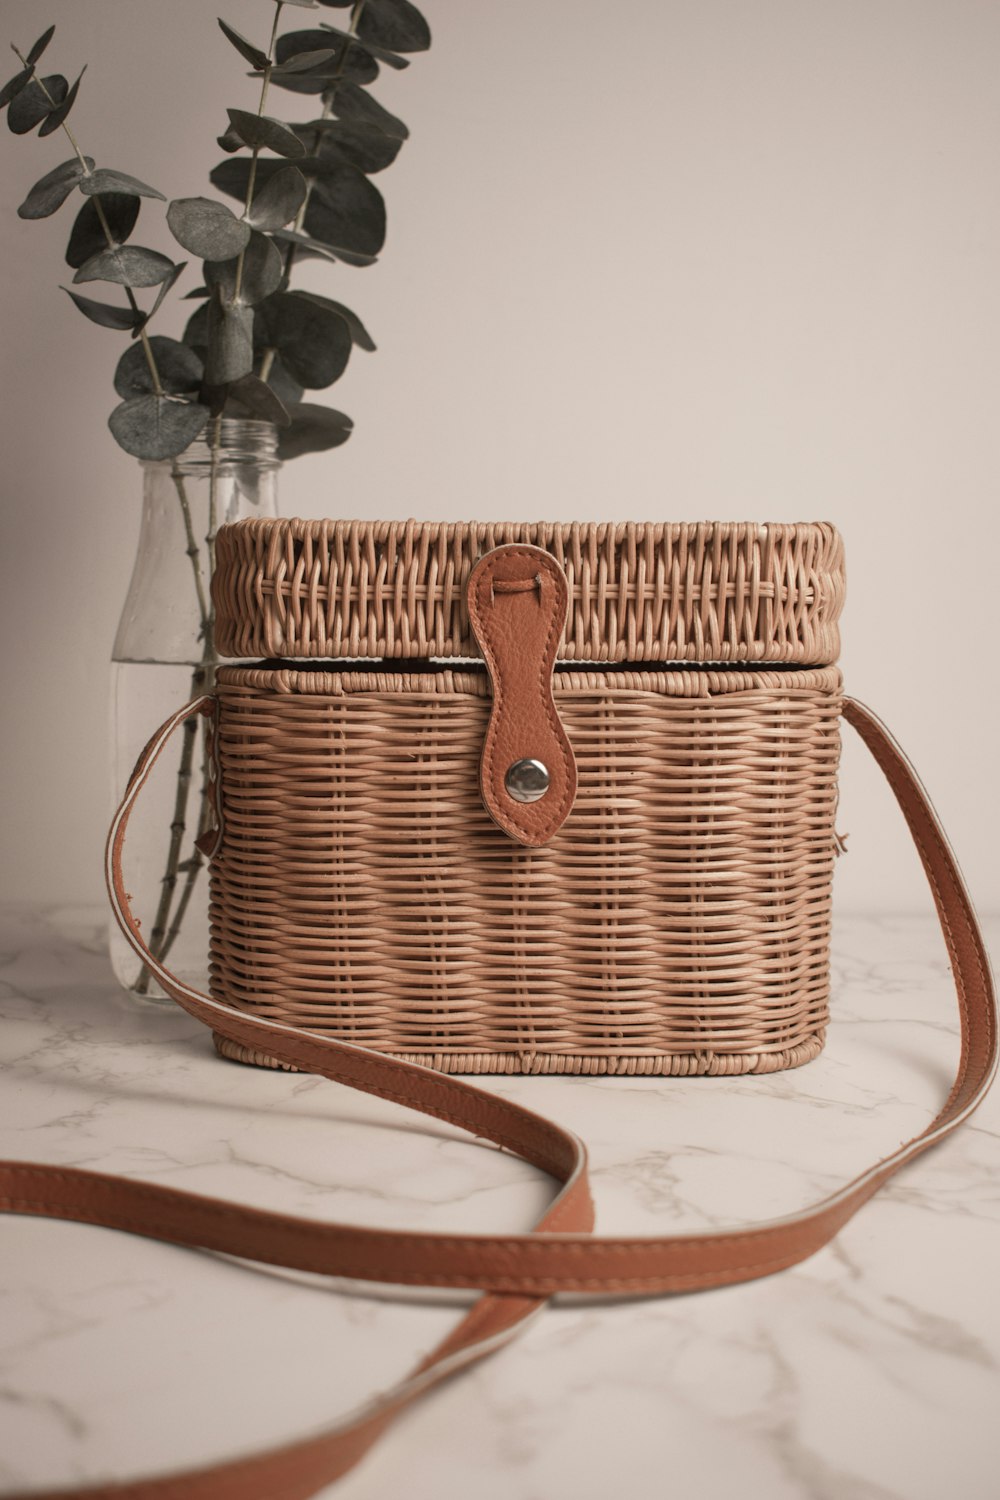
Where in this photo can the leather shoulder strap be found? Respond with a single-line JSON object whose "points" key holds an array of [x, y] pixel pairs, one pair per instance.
{"points": [[517, 1273]]}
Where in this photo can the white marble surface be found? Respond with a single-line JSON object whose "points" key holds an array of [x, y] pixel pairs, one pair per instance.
{"points": [[870, 1372]]}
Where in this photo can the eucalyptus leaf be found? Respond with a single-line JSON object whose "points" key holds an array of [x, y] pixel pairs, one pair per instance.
{"points": [[54, 119], [259, 399], [358, 66], [314, 341], [103, 221], [195, 333], [263, 268], [196, 294], [105, 314], [300, 83], [254, 56], [285, 387], [278, 200], [360, 145], [14, 85], [308, 62], [353, 103], [233, 177], [294, 42], [382, 54], [313, 429], [40, 46], [165, 288], [229, 141], [329, 228], [157, 427], [347, 211], [394, 23], [51, 191], [208, 229], [178, 367], [359, 333], [308, 247], [87, 236], [230, 342], [263, 131], [107, 180], [126, 265], [302, 4], [31, 104], [260, 275]]}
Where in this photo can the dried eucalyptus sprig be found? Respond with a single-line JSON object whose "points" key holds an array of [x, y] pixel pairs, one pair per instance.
{"points": [[256, 345]]}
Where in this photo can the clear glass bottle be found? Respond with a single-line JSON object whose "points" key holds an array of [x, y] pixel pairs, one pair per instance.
{"points": [[163, 655]]}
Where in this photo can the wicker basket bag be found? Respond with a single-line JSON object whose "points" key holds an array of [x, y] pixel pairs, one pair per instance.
{"points": [[672, 915], [517, 799]]}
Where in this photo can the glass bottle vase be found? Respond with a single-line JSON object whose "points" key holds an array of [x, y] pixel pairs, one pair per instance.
{"points": [[164, 654]]}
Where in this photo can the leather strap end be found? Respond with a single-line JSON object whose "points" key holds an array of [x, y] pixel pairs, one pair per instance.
{"points": [[518, 599]]}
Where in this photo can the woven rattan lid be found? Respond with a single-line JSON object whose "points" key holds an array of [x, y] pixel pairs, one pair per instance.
{"points": [[655, 591]]}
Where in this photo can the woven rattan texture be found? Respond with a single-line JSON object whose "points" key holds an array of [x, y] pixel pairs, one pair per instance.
{"points": [[724, 592], [677, 923]]}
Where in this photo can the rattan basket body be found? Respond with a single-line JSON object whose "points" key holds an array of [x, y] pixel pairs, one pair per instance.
{"points": [[679, 920]]}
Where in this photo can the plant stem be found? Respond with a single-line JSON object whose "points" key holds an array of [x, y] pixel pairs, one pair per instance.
{"points": [[193, 550], [147, 347], [178, 826], [160, 938], [191, 868], [213, 509], [270, 56], [255, 153], [194, 863]]}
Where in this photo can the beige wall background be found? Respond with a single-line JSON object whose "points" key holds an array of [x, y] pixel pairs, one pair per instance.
{"points": [[645, 260]]}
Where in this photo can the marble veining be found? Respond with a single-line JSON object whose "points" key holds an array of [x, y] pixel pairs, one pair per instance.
{"points": [[870, 1372]]}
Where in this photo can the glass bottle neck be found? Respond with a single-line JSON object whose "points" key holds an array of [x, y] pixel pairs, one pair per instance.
{"points": [[237, 443], [167, 616]]}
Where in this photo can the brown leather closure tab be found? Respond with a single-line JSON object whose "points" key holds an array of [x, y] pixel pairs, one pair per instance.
{"points": [[518, 598]]}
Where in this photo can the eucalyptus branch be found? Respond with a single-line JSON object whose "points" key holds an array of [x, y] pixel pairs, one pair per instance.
{"points": [[103, 220], [64, 127], [291, 253], [106, 227], [333, 208], [175, 387], [329, 96], [278, 5]]}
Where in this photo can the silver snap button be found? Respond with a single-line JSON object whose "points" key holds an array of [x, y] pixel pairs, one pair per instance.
{"points": [[527, 780]]}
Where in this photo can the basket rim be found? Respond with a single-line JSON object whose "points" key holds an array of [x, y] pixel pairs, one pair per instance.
{"points": [[663, 590]]}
